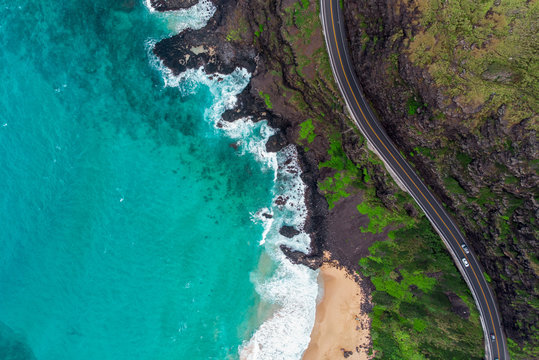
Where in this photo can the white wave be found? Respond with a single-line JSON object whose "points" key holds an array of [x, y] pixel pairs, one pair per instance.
{"points": [[292, 288], [252, 138], [195, 17], [224, 88], [286, 334]]}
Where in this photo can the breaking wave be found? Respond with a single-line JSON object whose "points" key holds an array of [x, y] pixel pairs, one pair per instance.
{"points": [[194, 17], [290, 289]]}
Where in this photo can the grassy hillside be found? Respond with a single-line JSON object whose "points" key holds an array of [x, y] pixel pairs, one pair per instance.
{"points": [[484, 54], [455, 84]]}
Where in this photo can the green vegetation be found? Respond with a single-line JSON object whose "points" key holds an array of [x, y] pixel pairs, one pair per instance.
{"points": [[511, 180], [334, 188], [486, 196], [306, 131], [366, 176], [413, 105], [453, 186], [522, 353], [411, 271], [412, 316], [258, 32], [303, 19], [233, 35], [237, 33], [266, 99], [379, 217], [479, 50], [426, 152], [464, 159], [338, 159]]}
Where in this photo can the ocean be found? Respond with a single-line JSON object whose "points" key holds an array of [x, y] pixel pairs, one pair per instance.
{"points": [[131, 225]]}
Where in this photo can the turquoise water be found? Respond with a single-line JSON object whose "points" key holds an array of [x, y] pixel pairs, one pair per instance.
{"points": [[125, 216]]}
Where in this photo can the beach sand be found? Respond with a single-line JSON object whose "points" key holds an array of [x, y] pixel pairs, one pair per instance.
{"points": [[341, 329]]}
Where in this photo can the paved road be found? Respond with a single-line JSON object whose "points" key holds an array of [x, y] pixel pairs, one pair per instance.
{"points": [[335, 34]]}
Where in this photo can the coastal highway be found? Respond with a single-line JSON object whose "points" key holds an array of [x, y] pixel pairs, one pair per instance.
{"points": [[362, 114]]}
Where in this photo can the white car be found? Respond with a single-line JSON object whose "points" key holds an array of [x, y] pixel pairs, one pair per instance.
{"points": [[465, 262], [465, 248]]}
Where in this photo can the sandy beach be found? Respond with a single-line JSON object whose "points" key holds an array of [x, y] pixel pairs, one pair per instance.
{"points": [[341, 329]]}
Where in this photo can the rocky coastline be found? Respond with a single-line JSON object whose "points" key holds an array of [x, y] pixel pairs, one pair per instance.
{"points": [[170, 5], [292, 85], [476, 156], [209, 48]]}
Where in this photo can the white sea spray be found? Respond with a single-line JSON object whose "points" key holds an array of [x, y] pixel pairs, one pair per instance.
{"points": [[195, 17], [293, 289]]}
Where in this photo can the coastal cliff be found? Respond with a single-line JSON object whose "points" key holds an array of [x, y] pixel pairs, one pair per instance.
{"points": [[455, 86], [475, 156]]}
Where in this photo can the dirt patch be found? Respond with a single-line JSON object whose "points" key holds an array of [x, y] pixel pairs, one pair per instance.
{"points": [[345, 240], [458, 306]]}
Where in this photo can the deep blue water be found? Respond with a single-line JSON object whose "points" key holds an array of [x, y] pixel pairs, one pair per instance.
{"points": [[125, 226]]}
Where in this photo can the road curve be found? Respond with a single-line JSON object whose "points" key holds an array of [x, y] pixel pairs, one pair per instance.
{"points": [[343, 71]]}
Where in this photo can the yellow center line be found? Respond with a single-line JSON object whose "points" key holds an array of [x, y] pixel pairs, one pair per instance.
{"points": [[405, 172]]}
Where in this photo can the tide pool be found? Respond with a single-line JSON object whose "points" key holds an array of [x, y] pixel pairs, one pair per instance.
{"points": [[126, 218]]}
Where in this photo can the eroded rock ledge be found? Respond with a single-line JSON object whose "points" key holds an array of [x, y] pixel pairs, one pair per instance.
{"points": [[291, 83], [285, 90], [210, 49], [168, 5]]}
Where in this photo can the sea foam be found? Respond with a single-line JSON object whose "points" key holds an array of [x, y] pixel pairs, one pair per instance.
{"points": [[194, 17], [291, 289]]}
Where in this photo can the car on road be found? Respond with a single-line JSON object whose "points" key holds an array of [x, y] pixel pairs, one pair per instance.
{"points": [[492, 337], [465, 262], [465, 248]]}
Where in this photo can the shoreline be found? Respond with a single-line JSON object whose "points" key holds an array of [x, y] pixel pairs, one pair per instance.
{"points": [[327, 231], [292, 87], [341, 327]]}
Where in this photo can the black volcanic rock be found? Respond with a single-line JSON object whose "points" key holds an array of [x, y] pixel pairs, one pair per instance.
{"points": [[276, 142], [167, 5], [458, 306], [193, 49], [206, 47], [288, 231], [312, 261]]}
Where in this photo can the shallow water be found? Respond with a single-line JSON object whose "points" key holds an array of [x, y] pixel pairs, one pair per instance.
{"points": [[130, 227], [125, 226]]}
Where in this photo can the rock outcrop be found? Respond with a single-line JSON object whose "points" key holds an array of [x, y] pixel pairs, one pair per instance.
{"points": [[476, 162], [473, 160], [168, 5]]}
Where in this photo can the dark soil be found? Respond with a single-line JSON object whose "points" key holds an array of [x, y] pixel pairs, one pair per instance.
{"points": [[337, 231], [458, 306], [345, 241], [501, 227]]}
